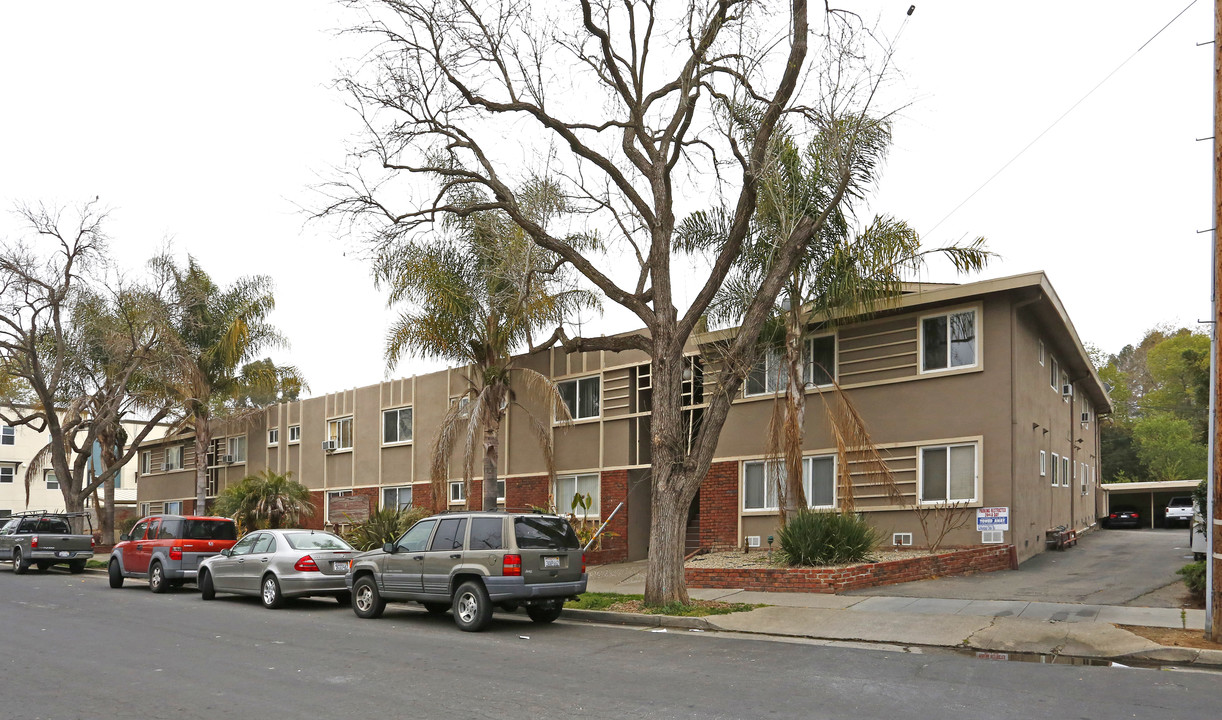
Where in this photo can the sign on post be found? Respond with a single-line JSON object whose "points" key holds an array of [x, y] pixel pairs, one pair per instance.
{"points": [[992, 518]]}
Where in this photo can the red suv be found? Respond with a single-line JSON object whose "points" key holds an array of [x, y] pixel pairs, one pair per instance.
{"points": [[167, 549]]}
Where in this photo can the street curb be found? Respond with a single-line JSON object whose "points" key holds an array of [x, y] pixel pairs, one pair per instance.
{"points": [[640, 619]]}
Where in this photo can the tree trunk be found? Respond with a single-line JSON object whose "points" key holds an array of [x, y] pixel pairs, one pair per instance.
{"points": [[794, 414], [203, 438], [492, 455], [106, 521]]}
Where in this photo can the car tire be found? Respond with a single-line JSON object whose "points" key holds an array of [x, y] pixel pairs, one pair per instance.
{"points": [[436, 608], [206, 591], [545, 612], [76, 567], [509, 607], [157, 581], [367, 602], [344, 598], [116, 575], [472, 607], [20, 566], [269, 592], [44, 566]]}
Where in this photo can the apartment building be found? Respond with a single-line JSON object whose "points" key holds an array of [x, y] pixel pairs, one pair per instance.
{"points": [[976, 396]]}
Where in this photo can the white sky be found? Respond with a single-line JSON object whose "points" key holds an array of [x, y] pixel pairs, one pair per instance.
{"points": [[207, 125]]}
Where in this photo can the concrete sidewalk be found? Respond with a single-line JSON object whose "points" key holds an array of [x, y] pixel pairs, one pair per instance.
{"points": [[986, 625]]}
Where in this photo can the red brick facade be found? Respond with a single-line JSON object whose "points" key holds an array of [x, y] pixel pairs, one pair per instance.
{"points": [[719, 507], [614, 546], [835, 580], [524, 493]]}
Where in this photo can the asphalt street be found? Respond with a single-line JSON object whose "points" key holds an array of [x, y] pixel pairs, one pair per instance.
{"points": [[74, 648]]}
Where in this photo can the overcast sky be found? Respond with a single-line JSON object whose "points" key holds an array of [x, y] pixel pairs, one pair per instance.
{"points": [[206, 126]]}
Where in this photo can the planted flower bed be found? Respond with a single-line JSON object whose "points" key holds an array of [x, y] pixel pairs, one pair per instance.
{"points": [[753, 572]]}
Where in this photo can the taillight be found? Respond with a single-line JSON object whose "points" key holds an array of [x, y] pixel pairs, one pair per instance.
{"points": [[583, 563], [176, 553], [1112, 515], [92, 542], [1136, 515], [34, 541], [306, 564], [513, 566]]}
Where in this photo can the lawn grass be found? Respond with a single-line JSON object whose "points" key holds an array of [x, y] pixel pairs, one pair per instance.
{"points": [[95, 564], [617, 602]]}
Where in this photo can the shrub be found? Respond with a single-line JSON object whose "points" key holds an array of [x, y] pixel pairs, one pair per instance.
{"points": [[383, 526], [1194, 579], [826, 538]]}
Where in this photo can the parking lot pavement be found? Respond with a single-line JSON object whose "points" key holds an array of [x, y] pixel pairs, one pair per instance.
{"points": [[1107, 567]]}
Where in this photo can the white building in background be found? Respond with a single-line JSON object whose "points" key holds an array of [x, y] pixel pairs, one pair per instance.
{"points": [[19, 445]]}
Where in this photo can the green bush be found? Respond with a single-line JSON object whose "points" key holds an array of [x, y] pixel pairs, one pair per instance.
{"points": [[814, 537], [1194, 578], [383, 526]]}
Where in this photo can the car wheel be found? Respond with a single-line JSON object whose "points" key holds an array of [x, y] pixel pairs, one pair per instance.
{"points": [[19, 563], [436, 608], [472, 608], [76, 567], [206, 591], [509, 607], [272, 597], [344, 598], [367, 602], [545, 612], [157, 581], [44, 566], [116, 575]]}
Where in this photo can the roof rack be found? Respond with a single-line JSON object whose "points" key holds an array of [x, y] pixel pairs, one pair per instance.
{"points": [[57, 513]]}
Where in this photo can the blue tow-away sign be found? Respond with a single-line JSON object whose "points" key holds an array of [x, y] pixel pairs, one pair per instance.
{"points": [[992, 518]]}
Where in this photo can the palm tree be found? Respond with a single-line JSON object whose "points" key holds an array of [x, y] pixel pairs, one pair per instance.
{"points": [[479, 294], [269, 499], [219, 333], [841, 274]]}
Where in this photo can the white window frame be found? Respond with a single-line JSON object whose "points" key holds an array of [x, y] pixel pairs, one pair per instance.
{"points": [[7, 471], [948, 446], [500, 490], [1054, 374], [398, 489], [772, 359], [294, 434], [146, 461], [577, 382], [398, 414], [273, 437], [458, 492], [334, 432], [48, 477], [771, 469], [1066, 471], [8, 435], [977, 349], [808, 351], [232, 444], [1085, 475], [333, 494], [808, 481], [1041, 342], [1064, 382], [177, 451], [173, 507], [564, 503], [1043, 463], [1056, 469]]}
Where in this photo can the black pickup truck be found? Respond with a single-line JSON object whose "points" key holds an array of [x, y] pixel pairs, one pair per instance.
{"points": [[43, 540]]}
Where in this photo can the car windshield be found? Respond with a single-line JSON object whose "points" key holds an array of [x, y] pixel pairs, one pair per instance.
{"points": [[209, 530], [316, 541], [551, 533]]}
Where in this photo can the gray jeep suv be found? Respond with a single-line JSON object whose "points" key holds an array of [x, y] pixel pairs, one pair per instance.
{"points": [[470, 561]]}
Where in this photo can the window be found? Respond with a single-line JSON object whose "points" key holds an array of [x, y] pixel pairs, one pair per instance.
{"points": [[819, 481], [243, 546], [767, 376], [396, 426], [500, 490], [265, 544], [948, 473], [569, 486], [458, 492], [462, 401], [1054, 374], [948, 341], [487, 533], [451, 532], [51, 480], [1084, 475], [6, 473], [760, 481], [416, 539], [1066, 471], [1056, 462], [173, 458], [1041, 353], [146, 462], [339, 431], [173, 508], [1043, 463], [819, 363], [1085, 412], [1064, 383], [294, 434], [397, 498], [273, 436], [581, 397], [8, 435], [237, 448]]}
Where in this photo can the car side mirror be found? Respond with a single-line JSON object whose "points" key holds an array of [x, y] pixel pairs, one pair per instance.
{"points": [[227, 552], [388, 548], [125, 537]]}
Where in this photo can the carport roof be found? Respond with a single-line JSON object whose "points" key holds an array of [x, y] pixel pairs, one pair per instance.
{"points": [[1142, 487]]}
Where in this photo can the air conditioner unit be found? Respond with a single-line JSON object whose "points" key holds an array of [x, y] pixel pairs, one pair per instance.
{"points": [[328, 445], [753, 541], [1066, 390], [227, 459], [1085, 418], [901, 539], [992, 537]]}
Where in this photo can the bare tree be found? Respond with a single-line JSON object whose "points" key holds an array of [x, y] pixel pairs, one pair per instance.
{"points": [[630, 108], [74, 347]]}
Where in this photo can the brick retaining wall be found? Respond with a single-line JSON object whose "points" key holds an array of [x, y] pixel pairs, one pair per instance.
{"points": [[834, 580]]}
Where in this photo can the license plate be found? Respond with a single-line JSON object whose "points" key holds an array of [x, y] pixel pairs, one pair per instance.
{"points": [[62, 553], [551, 561], [340, 566]]}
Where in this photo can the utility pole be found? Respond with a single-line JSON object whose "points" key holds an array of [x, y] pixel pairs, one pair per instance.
{"points": [[1213, 514]]}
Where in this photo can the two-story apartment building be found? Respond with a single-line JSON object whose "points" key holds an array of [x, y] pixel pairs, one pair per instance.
{"points": [[978, 395]]}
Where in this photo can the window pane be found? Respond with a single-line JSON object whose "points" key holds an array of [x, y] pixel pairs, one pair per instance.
{"points": [[776, 476], [753, 486], [450, 534], [933, 333], [405, 425], [587, 401], [933, 474], [390, 426], [963, 339], [821, 360], [568, 393], [486, 533], [963, 472], [820, 479], [588, 485], [537, 532], [756, 379], [414, 539]]}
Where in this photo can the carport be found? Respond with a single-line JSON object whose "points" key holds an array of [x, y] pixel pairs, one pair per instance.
{"points": [[1148, 498]]}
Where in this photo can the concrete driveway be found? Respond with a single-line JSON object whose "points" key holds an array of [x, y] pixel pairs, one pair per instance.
{"points": [[1108, 567]]}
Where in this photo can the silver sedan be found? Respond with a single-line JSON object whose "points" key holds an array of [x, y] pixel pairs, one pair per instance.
{"points": [[279, 564]]}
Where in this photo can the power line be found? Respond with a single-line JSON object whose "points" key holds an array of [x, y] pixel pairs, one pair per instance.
{"points": [[1059, 119]]}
